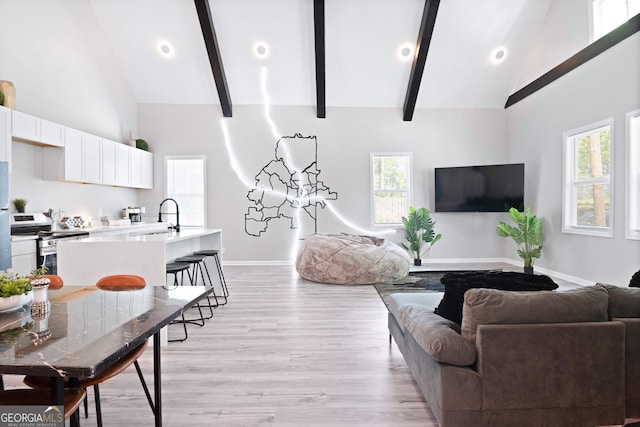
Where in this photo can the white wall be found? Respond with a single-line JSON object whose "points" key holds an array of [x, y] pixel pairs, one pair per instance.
{"points": [[64, 70], [345, 139], [565, 31], [607, 86]]}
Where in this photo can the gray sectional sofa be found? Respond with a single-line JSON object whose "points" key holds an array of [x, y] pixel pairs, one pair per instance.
{"points": [[546, 358]]}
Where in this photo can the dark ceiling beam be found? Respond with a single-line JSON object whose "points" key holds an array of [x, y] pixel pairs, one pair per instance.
{"points": [[611, 39], [318, 26], [213, 51], [420, 56]]}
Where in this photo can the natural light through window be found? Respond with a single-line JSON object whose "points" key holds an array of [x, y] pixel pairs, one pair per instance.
{"points": [[390, 187], [186, 183], [587, 189], [633, 175], [610, 14]]}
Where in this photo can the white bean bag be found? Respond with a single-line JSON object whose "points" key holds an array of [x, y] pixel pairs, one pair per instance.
{"points": [[346, 259]]}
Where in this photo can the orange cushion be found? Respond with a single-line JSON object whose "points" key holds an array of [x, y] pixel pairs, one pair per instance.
{"points": [[55, 281], [121, 282]]}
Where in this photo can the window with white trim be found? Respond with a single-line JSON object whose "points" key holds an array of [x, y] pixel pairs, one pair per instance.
{"points": [[633, 175], [607, 15], [185, 181], [587, 195], [390, 187]]}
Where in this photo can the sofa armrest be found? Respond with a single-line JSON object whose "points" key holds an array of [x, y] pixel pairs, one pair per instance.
{"points": [[632, 362], [557, 365]]}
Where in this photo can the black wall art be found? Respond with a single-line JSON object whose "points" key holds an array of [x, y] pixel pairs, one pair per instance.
{"points": [[288, 188]]}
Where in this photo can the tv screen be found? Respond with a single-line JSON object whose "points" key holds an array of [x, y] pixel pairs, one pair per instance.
{"points": [[492, 188]]}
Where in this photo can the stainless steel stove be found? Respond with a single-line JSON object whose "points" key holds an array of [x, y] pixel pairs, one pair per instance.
{"points": [[37, 224]]}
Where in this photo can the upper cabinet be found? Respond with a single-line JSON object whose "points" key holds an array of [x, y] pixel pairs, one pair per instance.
{"points": [[80, 160], [5, 135], [28, 128], [73, 155]]}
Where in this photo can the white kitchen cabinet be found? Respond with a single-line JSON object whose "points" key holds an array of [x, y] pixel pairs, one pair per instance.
{"points": [[92, 158], [72, 167], [25, 126], [51, 133], [146, 169], [80, 160], [32, 129], [109, 162], [134, 167], [122, 165], [23, 256], [5, 135]]}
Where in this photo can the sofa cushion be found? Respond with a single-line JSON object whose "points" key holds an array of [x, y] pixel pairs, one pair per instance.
{"points": [[623, 302], [491, 307], [438, 337], [427, 299], [456, 284]]}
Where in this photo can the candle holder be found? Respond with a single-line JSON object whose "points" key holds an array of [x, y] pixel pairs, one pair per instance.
{"points": [[41, 331], [40, 306]]}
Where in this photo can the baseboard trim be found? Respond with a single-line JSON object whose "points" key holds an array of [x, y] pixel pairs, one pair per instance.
{"points": [[258, 263]]}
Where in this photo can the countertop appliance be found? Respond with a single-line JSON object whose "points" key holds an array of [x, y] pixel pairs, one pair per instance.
{"points": [[5, 236], [134, 214], [37, 224]]}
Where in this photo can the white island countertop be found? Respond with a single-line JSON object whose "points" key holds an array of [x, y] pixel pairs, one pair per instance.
{"points": [[166, 236], [141, 252]]}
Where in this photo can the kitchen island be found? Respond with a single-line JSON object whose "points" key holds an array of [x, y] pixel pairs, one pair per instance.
{"points": [[144, 253]]}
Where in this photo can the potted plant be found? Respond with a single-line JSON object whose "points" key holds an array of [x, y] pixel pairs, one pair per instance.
{"points": [[14, 290], [20, 204], [419, 233], [527, 234]]}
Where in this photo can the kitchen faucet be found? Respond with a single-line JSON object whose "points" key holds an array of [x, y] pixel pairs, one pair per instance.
{"points": [[160, 213]]}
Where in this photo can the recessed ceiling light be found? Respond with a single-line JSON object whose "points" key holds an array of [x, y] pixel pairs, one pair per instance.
{"points": [[405, 51], [261, 50], [165, 48], [499, 55]]}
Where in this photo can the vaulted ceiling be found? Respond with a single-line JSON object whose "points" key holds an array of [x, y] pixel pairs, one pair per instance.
{"points": [[363, 43]]}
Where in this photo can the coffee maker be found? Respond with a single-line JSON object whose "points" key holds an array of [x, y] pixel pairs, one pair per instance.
{"points": [[134, 214]]}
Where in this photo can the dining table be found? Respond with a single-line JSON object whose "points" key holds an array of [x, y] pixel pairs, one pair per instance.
{"points": [[88, 329]]}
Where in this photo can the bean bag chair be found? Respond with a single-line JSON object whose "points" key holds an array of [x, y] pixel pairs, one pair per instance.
{"points": [[346, 259]]}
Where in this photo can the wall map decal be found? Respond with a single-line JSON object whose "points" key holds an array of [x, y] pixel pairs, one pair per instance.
{"points": [[286, 184]]}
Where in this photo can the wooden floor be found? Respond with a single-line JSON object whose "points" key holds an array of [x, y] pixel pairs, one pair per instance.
{"points": [[282, 352]]}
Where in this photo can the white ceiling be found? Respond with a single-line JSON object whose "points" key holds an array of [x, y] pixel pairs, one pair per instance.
{"points": [[363, 40]]}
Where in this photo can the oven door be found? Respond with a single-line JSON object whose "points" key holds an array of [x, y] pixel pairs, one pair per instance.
{"points": [[47, 257]]}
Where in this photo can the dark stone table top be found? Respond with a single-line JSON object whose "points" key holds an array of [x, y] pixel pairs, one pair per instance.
{"points": [[87, 329]]}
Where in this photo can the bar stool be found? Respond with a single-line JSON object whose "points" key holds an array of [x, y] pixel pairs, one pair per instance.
{"points": [[196, 262], [176, 268], [214, 253]]}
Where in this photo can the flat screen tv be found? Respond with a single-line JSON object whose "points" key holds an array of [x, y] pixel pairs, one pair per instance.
{"points": [[491, 188]]}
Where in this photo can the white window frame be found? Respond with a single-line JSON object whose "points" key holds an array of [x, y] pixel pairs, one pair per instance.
{"points": [[633, 176], [594, 16], [569, 223], [374, 155], [168, 206]]}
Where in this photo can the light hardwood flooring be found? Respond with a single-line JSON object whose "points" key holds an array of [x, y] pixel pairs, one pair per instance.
{"points": [[282, 352]]}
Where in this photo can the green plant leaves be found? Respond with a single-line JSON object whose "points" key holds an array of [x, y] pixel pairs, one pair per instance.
{"points": [[419, 231], [527, 234]]}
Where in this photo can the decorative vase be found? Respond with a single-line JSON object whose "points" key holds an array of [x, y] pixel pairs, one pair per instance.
{"points": [[417, 262], [9, 91], [528, 270]]}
